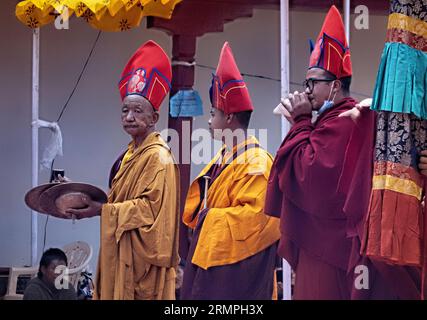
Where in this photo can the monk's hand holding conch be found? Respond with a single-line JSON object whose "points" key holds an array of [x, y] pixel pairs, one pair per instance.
{"points": [[299, 105], [422, 165], [90, 209]]}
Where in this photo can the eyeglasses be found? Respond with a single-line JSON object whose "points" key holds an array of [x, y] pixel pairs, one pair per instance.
{"points": [[310, 82]]}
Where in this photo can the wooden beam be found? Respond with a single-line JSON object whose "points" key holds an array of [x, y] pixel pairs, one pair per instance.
{"points": [[374, 6], [196, 18]]}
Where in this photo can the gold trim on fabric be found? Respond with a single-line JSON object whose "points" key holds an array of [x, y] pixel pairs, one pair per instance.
{"points": [[400, 21], [404, 186]]}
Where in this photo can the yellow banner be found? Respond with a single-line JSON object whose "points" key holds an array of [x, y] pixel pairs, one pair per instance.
{"points": [[106, 15]]}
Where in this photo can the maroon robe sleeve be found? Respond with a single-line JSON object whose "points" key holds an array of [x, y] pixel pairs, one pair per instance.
{"points": [[312, 184], [310, 162]]}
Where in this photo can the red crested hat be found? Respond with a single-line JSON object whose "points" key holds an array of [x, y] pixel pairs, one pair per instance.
{"points": [[331, 51], [148, 73], [229, 92]]}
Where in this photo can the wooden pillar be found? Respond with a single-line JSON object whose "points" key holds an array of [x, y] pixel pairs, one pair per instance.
{"points": [[183, 50]]}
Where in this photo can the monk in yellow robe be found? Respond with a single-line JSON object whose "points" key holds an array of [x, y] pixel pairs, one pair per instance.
{"points": [[232, 254], [139, 224]]}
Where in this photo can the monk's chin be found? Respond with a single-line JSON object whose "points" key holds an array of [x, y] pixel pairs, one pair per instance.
{"points": [[314, 105], [130, 130]]}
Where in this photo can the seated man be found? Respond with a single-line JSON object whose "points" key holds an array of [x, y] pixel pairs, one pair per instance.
{"points": [[46, 286]]}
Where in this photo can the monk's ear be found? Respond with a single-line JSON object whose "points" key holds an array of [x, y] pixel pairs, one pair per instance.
{"points": [[155, 117], [337, 85]]}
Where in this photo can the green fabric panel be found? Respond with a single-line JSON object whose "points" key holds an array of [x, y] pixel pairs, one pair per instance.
{"points": [[401, 81]]}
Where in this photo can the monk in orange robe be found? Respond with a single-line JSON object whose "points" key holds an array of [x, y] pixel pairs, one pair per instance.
{"points": [[139, 224], [232, 253]]}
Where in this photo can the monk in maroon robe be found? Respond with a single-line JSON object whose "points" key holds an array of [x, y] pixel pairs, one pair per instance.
{"points": [[321, 181]]}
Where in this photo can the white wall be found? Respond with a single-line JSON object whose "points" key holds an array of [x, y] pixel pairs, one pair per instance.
{"points": [[91, 128]]}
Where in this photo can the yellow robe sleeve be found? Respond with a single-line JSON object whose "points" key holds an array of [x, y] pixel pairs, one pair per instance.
{"points": [[246, 214], [140, 212]]}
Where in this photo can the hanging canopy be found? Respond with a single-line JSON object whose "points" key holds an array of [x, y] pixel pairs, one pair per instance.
{"points": [[106, 15]]}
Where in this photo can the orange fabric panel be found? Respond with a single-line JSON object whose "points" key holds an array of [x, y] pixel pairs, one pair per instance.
{"points": [[394, 228]]}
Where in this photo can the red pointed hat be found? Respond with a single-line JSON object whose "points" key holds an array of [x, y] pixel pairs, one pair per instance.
{"points": [[148, 73], [331, 51], [229, 92]]}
